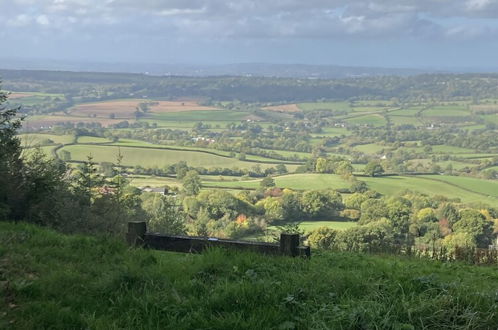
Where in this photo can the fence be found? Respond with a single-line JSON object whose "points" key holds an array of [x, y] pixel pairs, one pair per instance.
{"points": [[138, 236]]}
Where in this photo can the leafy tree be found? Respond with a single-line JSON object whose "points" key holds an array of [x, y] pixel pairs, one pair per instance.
{"points": [[281, 169], [322, 238], [321, 204], [474, 223], [267, 182], [162, 214], [373, 169], [358, 186], [355, 200], [372, 210], [192, 183], [273, 208], [11, 165]]}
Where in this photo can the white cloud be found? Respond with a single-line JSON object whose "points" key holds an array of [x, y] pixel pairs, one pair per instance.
{"points": [[43, 20], [256, 18]]}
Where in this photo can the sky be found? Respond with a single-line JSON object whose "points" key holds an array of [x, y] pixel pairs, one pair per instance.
{"points": [[385, 33]]}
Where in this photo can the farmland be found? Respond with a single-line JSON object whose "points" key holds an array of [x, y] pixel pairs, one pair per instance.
{"points": [[234, 144]]}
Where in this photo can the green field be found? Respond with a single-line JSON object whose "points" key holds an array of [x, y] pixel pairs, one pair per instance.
{"points": [[156, 157], [308, 226], [441, 111], [292, 181], [405, 120], [451, 149], [32, 139], [92, 139], [372, 120], [486, 187], [430, 185], [202, 115], [371, 148]]}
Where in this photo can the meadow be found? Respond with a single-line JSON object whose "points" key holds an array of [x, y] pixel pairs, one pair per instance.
{"points": [[292, 181], [148, 157], [55, 281]]}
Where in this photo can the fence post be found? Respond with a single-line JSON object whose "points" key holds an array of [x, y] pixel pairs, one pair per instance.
{"points": [[136, 233], [289, 244]]}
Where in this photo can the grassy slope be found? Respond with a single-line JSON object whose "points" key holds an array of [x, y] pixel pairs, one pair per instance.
{"points": [[69, 282], [156, 157], [431, 185]]}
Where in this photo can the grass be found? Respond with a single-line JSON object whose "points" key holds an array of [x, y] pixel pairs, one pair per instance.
{"points": [[139, 143], [371, 148], [156, 157], [441, 111], [430, 185], [52, 281], [314, 106], [304, 181], [92, 139], [451, 149], [373, 120], [308, 226], [486, 187], [196, 116], [33, 139]]}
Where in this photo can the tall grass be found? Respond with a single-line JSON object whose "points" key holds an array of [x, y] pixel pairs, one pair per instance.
{"points": [[73, 282]]}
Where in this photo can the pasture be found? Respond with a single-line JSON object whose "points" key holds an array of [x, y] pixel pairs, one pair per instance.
{"points": [[35, 139], [430, 185], [375, 120], [148, 157], [302, 181]]}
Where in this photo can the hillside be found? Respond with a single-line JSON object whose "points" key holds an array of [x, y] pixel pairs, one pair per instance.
{"points": [[54, 281]]}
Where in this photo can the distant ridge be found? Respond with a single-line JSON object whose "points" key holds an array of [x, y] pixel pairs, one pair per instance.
{"points": [[236, 69]]}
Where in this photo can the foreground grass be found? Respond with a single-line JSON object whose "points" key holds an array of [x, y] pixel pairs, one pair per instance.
{"points": [[70, 282]]}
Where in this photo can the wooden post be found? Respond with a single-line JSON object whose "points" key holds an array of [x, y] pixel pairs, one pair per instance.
{"points": [[289, 244], [136, 233]]}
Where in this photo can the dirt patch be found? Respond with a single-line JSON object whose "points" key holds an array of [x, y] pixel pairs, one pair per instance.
{"points": [[19, 95], [284, 108], [125, 109]]}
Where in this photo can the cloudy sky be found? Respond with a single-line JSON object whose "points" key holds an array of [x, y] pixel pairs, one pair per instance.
{"points": [[390, 33]]}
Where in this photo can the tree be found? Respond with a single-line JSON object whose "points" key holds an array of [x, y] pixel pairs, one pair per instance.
{"points": [[373, 169], [474, 223], [281, 169], [192, 183], [11, 165], [322, 238], [321, 204], [162, 214], [267, 182], [372, 210], [272, 207]]}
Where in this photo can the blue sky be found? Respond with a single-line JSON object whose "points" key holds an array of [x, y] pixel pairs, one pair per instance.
{"points": [[389, 33]]}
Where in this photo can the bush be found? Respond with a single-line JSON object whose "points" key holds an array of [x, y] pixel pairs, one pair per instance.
{"points": [[322, 238]]}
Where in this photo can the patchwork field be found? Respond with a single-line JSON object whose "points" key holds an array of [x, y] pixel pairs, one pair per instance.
{"points": [[126, 108]]}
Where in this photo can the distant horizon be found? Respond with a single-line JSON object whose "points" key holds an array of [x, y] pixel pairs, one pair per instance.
{"points": [[156, 68]]}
